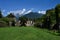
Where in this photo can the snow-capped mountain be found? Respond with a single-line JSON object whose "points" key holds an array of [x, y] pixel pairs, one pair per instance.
{"points": [[27, 13], [20, 12]]}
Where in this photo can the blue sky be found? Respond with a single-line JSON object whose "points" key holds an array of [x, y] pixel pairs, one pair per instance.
{"points": [[36, 5]]}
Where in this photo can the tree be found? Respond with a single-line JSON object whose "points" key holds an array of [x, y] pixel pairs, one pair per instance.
{"points": [[1, 14], [57, 11], [52, 16], [12, 19], [23, 20], [47, 21], [11, 15]]}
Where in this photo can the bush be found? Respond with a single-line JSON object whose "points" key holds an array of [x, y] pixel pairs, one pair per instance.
{"points": [[3, 24], [38, 25]]}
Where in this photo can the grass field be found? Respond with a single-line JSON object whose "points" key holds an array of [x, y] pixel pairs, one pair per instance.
{"points": [[26, 33]]}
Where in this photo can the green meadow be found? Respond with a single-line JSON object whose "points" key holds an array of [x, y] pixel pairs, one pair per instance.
{"points": [[26, 33]]}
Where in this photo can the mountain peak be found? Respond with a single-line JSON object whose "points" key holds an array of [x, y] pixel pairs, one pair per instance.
{"points": [[33, 15]]}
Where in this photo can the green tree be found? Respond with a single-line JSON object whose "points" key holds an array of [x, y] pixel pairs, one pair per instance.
{"points": [[11, 15], [57, 11], [12, 18], [23, 20], [47, 22], [1, 14]]}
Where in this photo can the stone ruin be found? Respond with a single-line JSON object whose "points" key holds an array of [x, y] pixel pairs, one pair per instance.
{"points": [[18, 23], [29, 23]]}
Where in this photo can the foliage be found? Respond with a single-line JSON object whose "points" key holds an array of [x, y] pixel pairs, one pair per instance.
{"points": [[3, 24], [47, 22], [54, 15], [11, 15], [1, 14], [57, 11], [6, 19], [38, 25], [23, 20]]}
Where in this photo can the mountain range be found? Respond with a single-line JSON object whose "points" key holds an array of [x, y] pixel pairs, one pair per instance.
{"points": [[33, 15]]}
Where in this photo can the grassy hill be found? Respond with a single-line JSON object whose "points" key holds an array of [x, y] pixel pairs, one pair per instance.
{"points": [[26, 33]]}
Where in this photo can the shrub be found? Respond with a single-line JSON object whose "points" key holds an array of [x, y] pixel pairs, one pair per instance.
{"points": [[3, 24], [38, 25]]}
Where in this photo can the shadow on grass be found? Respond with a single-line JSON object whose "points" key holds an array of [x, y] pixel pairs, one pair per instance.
{"points": [[54, 33]]}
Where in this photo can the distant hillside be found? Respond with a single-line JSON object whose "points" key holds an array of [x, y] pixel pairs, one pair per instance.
{"points": [[33, 15]]}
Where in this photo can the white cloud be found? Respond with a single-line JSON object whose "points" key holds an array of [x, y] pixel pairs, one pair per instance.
{"points": [[15, 12], [3, 11], [43, 12], [39, 12], [20, 12], [28, 11]]}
